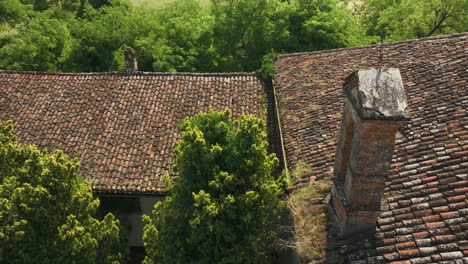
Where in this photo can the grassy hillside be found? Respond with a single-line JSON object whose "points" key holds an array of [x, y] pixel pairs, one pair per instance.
{"points": [[156, 3]]}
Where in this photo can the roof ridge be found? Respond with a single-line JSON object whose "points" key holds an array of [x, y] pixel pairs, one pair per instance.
{"points": [[456, 35], [124, 73]]}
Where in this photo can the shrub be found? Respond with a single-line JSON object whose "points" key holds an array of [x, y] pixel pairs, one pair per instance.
{"points": [[46, 209], [224, 204]]}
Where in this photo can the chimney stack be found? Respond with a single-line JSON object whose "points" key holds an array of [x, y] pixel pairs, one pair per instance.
{"points": [[130, 60], [374, 110]]}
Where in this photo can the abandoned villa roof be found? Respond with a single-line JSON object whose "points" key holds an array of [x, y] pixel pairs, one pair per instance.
{"points": [[120, 125], [425, 217]]}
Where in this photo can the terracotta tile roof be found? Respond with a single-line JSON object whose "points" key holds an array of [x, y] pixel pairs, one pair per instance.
{"points": [[121, 126], [426, 196]]}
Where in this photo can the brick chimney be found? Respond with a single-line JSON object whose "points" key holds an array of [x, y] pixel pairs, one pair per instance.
{"points": [[375, 108], [130, 60]]}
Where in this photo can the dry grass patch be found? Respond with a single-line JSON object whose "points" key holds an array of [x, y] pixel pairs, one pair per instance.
{"points": [[308, 211]]}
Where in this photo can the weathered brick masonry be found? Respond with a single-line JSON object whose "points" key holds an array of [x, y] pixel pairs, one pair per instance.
{"points": [[375, 108]]}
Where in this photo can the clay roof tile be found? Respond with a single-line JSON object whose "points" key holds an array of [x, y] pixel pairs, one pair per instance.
{"points": [[120, 127], [427, 181]]}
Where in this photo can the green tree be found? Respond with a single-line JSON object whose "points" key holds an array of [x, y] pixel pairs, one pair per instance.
{"points": [[41, 44], [46, 209], [407, 19], [180, 38], [101, 36], [12, 11], [224, 203], [324, 24], [246, 30], [182, 35]]}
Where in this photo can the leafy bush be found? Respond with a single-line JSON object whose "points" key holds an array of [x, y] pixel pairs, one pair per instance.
{"points": [[46, 209], [268, 70], [224, 204]]}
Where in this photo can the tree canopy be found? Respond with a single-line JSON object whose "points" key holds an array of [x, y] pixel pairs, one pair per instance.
{"points": [[408, 19], [223, 206], [46, 210], [222, 36], [182, 35]]}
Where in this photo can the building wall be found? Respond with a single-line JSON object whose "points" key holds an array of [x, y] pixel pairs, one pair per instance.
{"points": [[129, 211], [135, 221]]}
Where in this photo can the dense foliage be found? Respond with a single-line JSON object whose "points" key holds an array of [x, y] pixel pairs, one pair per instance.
{"points": [[408, 19], [224, 204], [183, 35], [222, 36], [46, 210]]}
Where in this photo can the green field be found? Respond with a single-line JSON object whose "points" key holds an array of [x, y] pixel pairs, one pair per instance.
{"points": [[156, 3]]}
